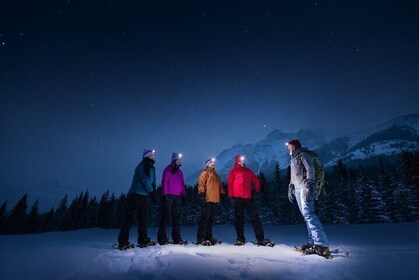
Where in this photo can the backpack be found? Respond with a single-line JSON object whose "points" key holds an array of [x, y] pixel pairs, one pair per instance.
{"points": [[319, 173]]}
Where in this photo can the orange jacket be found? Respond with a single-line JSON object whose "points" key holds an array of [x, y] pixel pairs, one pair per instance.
{"points": [[241, 181], [210, 183]]}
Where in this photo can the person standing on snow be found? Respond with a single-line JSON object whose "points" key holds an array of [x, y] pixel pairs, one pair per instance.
{"points": [[303, 187], [173, 198], [210, 189], [143, 187], [241, 183]]}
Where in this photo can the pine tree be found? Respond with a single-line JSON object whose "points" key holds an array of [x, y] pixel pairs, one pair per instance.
{"points": [[104, 211], [3, 217], [371, 203], [18, 216], [120, 210], [387, 187], [60, 221], [92, 213], [33, 221], [47, 220], [337, 195], [404, 195]]}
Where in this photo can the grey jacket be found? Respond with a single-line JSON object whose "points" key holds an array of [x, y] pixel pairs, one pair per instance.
{"points": [[302, 168]]}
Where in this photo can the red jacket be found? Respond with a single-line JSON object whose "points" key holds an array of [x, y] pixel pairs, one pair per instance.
{"points": [[240, 182]]}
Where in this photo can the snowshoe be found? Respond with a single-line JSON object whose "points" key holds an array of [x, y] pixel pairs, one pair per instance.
{"points": [[240, 242], [180, 242], [214, 241], [124, 247], [264, 242], [147, 244], [204, 243], [323, 252], [166, 242]]}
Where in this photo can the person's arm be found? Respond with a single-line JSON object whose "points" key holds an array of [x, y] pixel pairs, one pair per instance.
{"points": [[165, 182], [145, 180], [183, 193], [309, 167], [202, 180], [255, 181], [230, 181]]}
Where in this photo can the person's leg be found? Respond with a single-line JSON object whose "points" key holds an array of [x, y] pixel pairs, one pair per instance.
{"points": [[254, 218], [142, 220], [239, 223], [314, 225], [176, 208], [203, 224], [130, 211], [298, 193], [164, 220], [212, 210]]}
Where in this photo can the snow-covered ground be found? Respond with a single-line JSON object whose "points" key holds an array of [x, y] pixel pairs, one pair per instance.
{"points": [[381, 251]]}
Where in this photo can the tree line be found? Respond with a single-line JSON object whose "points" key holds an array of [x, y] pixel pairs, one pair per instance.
{"points": [[374, 194]]}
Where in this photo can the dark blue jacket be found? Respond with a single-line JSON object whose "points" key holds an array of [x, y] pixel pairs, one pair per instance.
{"points": [[141, 183]]}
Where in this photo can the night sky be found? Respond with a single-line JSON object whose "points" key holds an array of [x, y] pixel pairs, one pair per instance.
{"points": [[87, 85]]}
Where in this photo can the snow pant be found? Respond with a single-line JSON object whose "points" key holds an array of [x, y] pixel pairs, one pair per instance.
{"points": [[248, 204], [137, 205], [170, 209], [208, 211], [316, 233]]}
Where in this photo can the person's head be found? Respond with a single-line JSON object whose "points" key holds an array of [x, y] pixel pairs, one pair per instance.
{"points": [[239, 159], [177, 159], [292, 145], [149, 153], [210, 163]]}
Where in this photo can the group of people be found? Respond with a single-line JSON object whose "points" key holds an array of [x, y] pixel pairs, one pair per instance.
{"points": [[242, 184]]}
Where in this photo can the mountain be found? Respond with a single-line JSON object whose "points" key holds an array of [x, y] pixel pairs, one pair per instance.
{"points": [[262, 156], [385, 140]]}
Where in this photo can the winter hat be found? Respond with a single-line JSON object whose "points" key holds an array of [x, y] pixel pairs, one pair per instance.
{"points": [[148, 152], [176, 156], [209, 161], [238, 158], [295, 142]]}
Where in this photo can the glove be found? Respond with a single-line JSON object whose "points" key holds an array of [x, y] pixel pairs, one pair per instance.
{"points": [[233, 202], [291, 189], [183, 201], [153, 196], [154, 186], [201, 197], [308, 190]]}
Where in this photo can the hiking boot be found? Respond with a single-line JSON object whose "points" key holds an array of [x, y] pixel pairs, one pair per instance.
{"points": [[180, 242], [240, 242], [265, 242], [125, 246], [317, 250], [146, 243], [165, 242], [306, 246], [214, 241], [204, 242]]}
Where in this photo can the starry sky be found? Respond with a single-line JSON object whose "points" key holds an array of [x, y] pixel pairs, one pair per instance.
{"points": [[85, 86]]}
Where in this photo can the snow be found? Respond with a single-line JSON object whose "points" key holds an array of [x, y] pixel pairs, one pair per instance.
{"points": [[379, 251]]}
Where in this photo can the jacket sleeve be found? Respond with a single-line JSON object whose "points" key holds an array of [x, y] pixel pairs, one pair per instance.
{"points": [[145, 180], [255, 181], [309, 166], [164, 182], [183, 192], [202, 180], [230, 181]]}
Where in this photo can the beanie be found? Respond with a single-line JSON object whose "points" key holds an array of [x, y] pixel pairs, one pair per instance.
{"points": [[209, 161], [148, 152], [176, 156], [295, 142]]}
